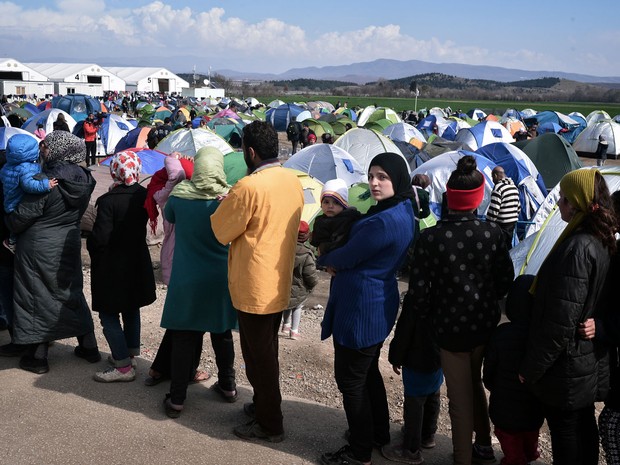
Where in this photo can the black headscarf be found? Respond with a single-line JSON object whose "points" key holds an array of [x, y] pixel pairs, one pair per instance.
{"points": [[397, 169]]}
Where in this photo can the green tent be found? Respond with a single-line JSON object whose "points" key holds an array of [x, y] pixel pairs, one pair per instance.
{"points": [[234, 167], [319, 127], [378, 125], [340, 126], [552, 156]]}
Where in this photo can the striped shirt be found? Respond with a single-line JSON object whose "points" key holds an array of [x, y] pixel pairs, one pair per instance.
{"points": [[505, 205]]}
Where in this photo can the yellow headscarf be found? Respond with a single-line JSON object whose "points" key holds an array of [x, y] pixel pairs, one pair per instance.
{"points": [[578, 187], [208, 179]]}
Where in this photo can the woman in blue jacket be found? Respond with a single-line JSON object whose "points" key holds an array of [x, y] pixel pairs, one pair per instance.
{"points": [[363, 304]]}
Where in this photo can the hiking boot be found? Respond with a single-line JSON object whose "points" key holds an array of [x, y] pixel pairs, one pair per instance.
{"points": [[112, 375], [482, 455], [112, 362], [428, 443], [12, 350], [90, 355], [252, 430], [398, 453], [34, 365], [342, 456]]}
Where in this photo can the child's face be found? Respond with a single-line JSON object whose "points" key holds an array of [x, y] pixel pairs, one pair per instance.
{"points": [[330, 207]]}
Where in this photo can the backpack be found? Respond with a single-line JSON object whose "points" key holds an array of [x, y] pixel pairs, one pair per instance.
{"points": [[293, 131]]}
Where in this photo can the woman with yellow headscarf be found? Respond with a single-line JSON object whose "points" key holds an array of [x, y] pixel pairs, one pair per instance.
{"points": [[565, 371]]}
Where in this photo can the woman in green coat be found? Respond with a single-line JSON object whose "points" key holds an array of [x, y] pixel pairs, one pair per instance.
{"points": [[198, 300]]}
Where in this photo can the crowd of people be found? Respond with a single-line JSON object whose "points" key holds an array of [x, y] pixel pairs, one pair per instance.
{"points": [[237, 258]]}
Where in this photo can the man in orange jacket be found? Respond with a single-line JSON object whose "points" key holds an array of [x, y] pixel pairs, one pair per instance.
{"points": [[91, 126]]}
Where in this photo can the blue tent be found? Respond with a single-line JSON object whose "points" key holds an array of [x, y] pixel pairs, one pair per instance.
{"points": [[522, 171], [77, 105], [562, 120], [426, 125], [281, 116]]}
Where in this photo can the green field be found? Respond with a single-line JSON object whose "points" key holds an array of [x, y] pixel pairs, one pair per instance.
{"points": [[488, 106]]}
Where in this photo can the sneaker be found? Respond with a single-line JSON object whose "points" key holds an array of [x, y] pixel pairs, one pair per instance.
{"points": [[342, 456], [12, 350], [398, 453], [112, 375], [90, 355], [250, 409], [112, 362], [375, 443], [11, 246], [294, 335], [252, 430], [286, 328], [34, 365], [428, 443], [482, 455]]}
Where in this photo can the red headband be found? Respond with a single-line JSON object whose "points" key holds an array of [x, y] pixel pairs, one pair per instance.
{"points": [[465, 200]]}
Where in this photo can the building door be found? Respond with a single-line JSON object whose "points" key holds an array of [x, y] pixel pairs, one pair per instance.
{"points": [[164, 85]]}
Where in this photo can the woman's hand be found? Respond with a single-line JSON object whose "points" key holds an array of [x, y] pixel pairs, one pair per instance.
{"points": [[587, 329], [521, 379], [396, 369], [331, 271]]}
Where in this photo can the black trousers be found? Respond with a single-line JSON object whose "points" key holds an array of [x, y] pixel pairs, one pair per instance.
{"points": [[421, 414], [574, 435], [91, 153], [178, 358], [364, 398], [258, 335]]}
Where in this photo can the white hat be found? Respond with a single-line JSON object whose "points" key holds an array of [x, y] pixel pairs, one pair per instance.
{"points": [[338, 190]]}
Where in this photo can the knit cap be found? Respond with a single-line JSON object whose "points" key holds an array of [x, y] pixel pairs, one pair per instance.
{"points": [[304, 232], [338, 190]]}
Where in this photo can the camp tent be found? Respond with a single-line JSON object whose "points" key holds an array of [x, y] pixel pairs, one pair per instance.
{"points": [[522, 171], [596, 116], [6, 132], [276, 103], [136, 137], [312, 195], [566, 122], [404, 132], [77, 105], [547, 226], [281, 116], [47, 118], [325, 162], [476, 114], [486, 132], [152, 160], [441, 167], [374, 114], [552, 155], [112, 130], [587, 141], [189, 141], [365, 144]]}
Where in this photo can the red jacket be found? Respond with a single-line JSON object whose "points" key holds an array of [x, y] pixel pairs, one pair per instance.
{"points": [[90, 131]]}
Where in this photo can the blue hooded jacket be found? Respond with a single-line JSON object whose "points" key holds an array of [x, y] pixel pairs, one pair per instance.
{"points": [[17, 175]]}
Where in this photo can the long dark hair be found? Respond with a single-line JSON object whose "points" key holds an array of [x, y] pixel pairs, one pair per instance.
{"points": [[466, 175], [601, 220]]}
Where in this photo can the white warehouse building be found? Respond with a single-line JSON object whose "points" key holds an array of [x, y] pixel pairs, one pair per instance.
{"points": [[19, 79], [149, 79], [79, 78]]}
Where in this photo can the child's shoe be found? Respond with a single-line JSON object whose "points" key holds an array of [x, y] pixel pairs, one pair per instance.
{"points": [[294, 335], [112, 362], [113, 375], [11, 246], [482, 454], [428, 443], [286, 328]]}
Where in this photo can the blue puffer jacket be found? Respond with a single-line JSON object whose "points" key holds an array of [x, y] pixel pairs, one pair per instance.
{"points": [[22, 153]]}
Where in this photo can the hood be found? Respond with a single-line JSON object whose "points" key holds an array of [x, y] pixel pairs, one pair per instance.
{"points": [[21, 148], [75, 184]]}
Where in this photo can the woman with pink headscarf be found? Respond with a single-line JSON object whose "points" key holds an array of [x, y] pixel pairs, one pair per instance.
{"points": [[122, 273]]}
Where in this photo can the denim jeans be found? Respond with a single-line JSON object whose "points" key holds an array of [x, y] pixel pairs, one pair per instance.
{"points": [[123, 340], [6, 294]]}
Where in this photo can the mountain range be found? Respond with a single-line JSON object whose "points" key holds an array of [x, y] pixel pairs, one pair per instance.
{"points": [[370, 71]]}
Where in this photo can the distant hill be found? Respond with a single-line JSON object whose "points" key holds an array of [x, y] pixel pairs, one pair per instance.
{"points": [[362, 73]]}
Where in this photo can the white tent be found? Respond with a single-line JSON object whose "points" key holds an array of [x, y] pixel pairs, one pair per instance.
{"points": [[189, 141], [596, 116], [403, 132], [325, 162], [371, 113], [113, 129], [547, 226], [47, 118], [365, 144], [6, 132], [587, 140]]}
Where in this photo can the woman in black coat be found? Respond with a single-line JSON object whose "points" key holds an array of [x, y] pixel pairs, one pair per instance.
{"points": [[122, 273], [49, 302], [568, 373]]}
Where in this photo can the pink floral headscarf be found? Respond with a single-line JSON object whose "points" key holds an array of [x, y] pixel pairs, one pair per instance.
{"points": [[125, 168]]}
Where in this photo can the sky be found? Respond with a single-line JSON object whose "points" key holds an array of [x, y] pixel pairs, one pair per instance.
{"points": [[272, 36]]}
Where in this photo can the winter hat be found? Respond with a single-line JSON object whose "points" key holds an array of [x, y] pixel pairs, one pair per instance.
{"points": [[336, 189], [64, 146]]}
